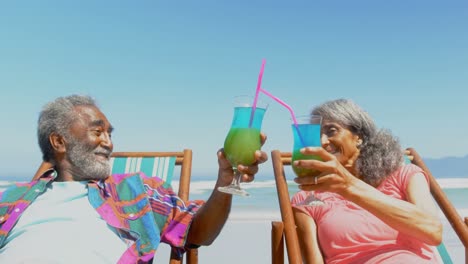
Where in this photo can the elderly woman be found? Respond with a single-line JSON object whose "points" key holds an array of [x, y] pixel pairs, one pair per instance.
{"points": [[376, 210]]}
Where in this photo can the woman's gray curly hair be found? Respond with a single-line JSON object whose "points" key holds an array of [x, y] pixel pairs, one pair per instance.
{"points": [[56, 117], [380, 152]]}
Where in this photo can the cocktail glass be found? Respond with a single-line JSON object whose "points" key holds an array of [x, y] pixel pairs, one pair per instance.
{"points": [[306, 133], [243, 139]]}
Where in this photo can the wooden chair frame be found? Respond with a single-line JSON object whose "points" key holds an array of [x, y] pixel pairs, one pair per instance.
{"points": [[285, 231]]}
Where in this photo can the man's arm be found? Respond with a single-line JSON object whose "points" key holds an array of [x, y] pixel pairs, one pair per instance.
{"points": [[211, 217]]}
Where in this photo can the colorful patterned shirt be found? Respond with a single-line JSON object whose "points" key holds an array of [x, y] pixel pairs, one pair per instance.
{"points": [[141, 210]]}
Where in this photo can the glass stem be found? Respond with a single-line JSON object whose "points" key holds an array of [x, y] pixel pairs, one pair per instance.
{"points": [[236, 179]]}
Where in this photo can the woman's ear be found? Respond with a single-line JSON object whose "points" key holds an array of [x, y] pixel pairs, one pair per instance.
{"points": [[58, 143], [359, 142]]}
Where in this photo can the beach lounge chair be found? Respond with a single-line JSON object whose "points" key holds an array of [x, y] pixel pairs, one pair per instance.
{"points": [[161, 164], [284, 232]]}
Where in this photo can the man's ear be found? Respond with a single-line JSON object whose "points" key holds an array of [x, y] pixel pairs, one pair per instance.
{"points": [[58, 143]]}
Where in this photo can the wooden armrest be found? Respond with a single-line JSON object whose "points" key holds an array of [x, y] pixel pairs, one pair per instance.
{"points": [[42, 168]]}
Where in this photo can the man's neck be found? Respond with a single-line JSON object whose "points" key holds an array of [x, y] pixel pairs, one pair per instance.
{"points": [[65, 175]]}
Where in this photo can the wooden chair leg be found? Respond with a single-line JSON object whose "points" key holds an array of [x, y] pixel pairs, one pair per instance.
{"points": [[192, 256], [292, 242], [466, 247], [277, 243], [175, 259]]}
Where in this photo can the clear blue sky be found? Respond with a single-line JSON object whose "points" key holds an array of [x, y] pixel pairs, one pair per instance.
{"points": [[164, 72]]}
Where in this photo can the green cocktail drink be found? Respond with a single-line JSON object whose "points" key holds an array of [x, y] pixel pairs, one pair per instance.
{"points": [[306, 133], [243, 140], [241, 144], [301, 172]]}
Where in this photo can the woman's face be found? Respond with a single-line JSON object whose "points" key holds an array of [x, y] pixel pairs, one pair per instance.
{"points": [[341, 142]]}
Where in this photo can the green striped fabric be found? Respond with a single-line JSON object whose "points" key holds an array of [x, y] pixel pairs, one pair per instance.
{"points": [[444, 255], [162, 167]]}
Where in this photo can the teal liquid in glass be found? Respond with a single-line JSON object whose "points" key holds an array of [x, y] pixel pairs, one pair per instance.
{"points": [[243, 138], [305, 135], [241, 143]]}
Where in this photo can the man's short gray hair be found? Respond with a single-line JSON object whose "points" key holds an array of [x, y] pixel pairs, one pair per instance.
{"points": [[56, 117]]}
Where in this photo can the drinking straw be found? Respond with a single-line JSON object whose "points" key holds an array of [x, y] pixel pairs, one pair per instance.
{"points": [[257, 91], [260, 89], [281, 102]]}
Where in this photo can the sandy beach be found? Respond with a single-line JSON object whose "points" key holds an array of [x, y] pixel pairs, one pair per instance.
{"points": [[241, 241], [248, 241]]}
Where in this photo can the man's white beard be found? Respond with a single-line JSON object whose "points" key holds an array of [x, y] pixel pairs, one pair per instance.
{"points": [[85, 164]]}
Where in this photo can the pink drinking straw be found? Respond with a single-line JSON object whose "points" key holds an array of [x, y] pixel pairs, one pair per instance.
{"points": [[260, 89], [257, 91], [281, 102]]}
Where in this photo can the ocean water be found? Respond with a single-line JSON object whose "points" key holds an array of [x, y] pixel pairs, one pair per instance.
{"points": [[263, 195]]}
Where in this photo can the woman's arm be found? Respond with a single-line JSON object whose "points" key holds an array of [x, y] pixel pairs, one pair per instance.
{"points": [[307, 235], [416, 217]]}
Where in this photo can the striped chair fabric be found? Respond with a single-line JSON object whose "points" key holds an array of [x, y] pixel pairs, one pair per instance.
{"points": [[162, 167]]}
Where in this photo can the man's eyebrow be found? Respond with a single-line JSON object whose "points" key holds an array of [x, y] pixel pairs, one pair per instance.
{"points": [[98, 122], [101, 122]]}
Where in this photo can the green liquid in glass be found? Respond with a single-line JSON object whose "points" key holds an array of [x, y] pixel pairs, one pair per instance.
{"points": [[301, 172], [240, 145]]}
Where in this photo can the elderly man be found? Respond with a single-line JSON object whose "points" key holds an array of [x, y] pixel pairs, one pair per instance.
{"points": [[77, 211]]}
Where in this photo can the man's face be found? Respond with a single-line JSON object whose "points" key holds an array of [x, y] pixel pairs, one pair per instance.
{"points": [[89, 145]]}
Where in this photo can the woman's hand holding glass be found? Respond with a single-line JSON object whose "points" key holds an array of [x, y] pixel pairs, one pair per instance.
{"points": [[306, 132], [333, 177]]}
